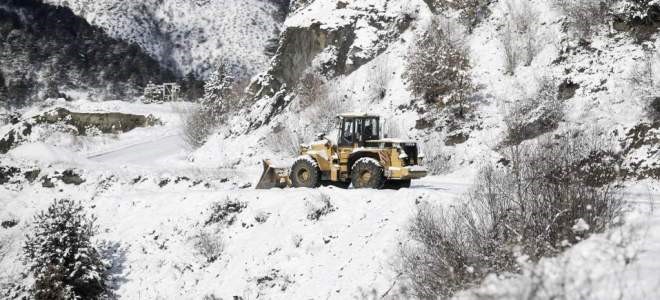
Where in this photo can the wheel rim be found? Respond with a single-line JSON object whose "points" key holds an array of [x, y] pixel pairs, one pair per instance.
{"points": [[365, 177], [303, 175]]}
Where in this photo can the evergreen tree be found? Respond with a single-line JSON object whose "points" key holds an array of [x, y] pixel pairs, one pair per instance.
{"points": [[216, 90], [439, 69], [61, 256]]}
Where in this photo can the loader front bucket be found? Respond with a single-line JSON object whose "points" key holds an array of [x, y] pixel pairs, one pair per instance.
{"points": [[273, 176]]}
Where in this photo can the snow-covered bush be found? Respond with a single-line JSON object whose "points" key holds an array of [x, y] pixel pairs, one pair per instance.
{"points": [[209, 244], [536, 205], [436, 158], [393, 128], [311, 88], [438, 67], [286, 139], [447, 252], [225, 211], [316, 210], [471, 12], [636, 11], [380, 77], [222, 96], [534, 115], [644, 77], [321, 115], [61, 256], [216, 92], [519, 34], [197, 125], [585, 16]]}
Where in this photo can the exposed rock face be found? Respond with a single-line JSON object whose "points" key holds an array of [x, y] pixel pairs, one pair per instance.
{"points": [[567, 89], [71, 177], [299, 46], [105, 122], [6, 173], [642, 146], [78, 123], [350, 36]]}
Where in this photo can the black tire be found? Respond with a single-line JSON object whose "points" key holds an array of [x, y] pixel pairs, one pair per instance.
{"points": [[397, 184], [367, 173], [405, 184], [305, 173]]}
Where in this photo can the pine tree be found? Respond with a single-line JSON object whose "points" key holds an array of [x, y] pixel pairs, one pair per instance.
{"points": [[439, 70], [61, 256], [216, 89]]}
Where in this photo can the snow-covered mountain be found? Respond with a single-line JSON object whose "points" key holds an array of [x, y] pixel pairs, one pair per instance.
{"points": [[190, 36], [48, 51]]}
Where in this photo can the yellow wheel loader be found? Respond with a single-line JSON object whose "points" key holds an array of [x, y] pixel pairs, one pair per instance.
{"points": [[360, 157]]}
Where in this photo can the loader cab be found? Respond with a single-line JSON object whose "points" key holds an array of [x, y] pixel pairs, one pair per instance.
{"points": [[356, 129]]}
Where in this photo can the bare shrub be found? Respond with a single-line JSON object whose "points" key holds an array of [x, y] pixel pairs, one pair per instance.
{"points": [[536, 114], [319, 117], [211, 297], [197, 125], [322, 114], [520, 34], [436, 158], [536, 206], [645, 78], [438, 67], [380, 77], [471, 12], [222, 96], [449, 251], [394, 129], [225, 211], [311, 88], [585, 16], [262, 217], [287, 138], [297, 240], [209, 244], [316, 211]]}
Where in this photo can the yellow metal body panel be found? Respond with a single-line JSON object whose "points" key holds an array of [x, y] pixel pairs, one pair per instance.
{"points": [[334, 161]]}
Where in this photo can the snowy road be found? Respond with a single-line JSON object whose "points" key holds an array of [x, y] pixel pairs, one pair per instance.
{"points": [[146, 153]]}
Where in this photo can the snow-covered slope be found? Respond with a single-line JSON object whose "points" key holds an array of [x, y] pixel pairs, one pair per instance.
{"points": [[189, 35], [272, 249], [153, 197]]}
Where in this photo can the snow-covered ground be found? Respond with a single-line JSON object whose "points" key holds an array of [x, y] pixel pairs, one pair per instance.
{"points": [[152, 203], [272, 250], [620, 263], [152, 195]]}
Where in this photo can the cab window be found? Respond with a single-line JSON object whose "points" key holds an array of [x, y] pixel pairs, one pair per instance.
{"points": [[370, 129], [347, 133]]}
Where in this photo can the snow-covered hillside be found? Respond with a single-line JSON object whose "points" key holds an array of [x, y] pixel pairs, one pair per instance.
{"points": [[190, 36], [162, 206]]}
